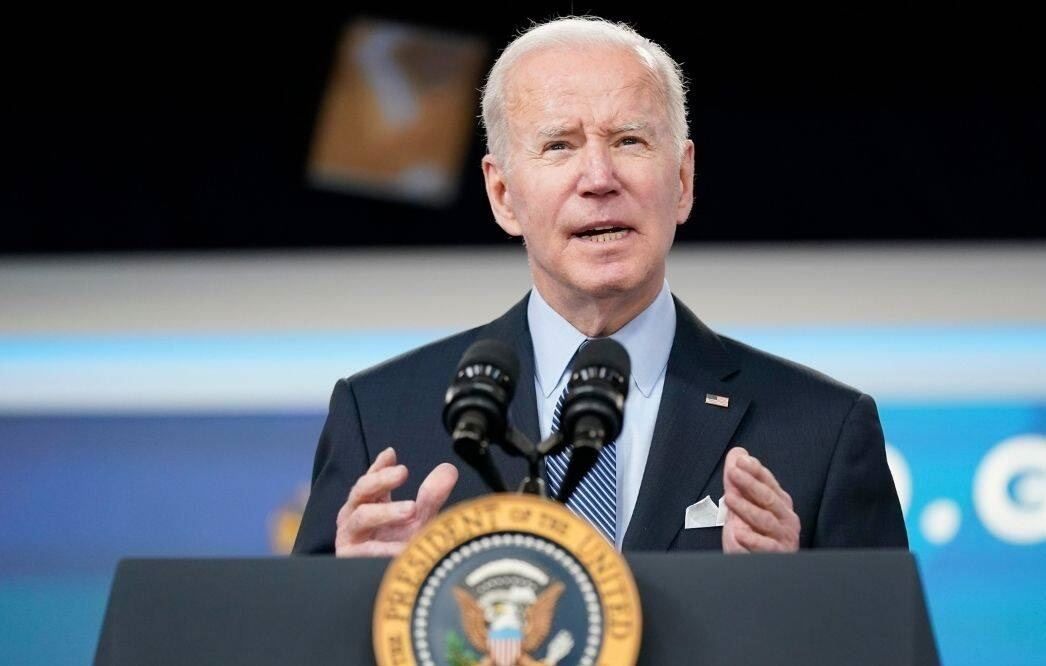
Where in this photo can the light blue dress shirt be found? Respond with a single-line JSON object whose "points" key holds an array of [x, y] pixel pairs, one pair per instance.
{"points": [[648, 340]]}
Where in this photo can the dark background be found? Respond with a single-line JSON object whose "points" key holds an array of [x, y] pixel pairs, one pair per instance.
{"points": [[176, 128]]}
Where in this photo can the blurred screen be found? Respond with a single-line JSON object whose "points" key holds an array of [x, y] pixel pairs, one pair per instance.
{"points": [[398, 113]]}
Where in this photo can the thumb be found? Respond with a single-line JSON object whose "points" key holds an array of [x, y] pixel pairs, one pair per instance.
{"points": [[435, 490]]}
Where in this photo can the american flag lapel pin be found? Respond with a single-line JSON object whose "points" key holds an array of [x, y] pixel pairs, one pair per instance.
{"points": [[717, 400]]}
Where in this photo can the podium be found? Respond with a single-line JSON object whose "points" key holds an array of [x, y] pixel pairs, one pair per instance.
{"points": [[817, 607]]}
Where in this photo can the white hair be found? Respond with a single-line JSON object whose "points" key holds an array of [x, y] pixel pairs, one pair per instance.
{"points": [[576, 31]]}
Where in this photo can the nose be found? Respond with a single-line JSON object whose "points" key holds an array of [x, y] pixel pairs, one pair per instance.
{"points": [[598, 176]]}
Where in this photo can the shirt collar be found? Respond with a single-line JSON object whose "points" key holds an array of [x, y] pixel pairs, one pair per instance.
{"points": [[647, 339]]}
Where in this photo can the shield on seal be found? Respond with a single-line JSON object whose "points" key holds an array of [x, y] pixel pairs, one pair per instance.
{"points": [[505, 645]]}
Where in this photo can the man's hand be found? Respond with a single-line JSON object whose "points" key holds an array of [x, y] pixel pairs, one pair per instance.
{"points": [[760, 516], [370, 524]]}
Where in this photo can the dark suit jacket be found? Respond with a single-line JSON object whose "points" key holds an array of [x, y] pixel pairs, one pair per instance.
{"points": [[821, 439]]}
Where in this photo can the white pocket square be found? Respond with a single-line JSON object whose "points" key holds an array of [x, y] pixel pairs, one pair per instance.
{"points": [[705, 514]]}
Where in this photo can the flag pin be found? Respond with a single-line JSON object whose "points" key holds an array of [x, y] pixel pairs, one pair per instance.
{"points": [[717, 400]]}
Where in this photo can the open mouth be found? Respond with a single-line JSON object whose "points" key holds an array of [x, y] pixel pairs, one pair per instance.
{"points": [[603, 234]]}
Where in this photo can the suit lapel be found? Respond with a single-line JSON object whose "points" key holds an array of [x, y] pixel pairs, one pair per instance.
{"points": [[690, 436], [512, 329]]}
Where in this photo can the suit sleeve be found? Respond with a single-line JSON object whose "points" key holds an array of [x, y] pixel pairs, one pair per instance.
{"points": [[859, 506], [341, 458]]}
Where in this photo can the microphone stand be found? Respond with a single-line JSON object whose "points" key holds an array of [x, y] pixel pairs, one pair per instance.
{"points": [[517, 444]]}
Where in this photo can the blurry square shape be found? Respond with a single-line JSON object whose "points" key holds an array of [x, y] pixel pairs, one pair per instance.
{"points": [[398, 114]]}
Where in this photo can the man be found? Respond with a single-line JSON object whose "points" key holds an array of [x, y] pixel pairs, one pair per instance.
{"points": [[589, 162]]}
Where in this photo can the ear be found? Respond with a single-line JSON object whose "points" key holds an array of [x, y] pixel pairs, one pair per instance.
{"points": [[499, 197], [686, 183]]}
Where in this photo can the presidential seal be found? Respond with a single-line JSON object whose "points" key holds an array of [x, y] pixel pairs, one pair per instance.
{"points": [[507, 580]]}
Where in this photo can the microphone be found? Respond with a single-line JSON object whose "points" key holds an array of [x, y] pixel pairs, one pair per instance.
{"points": [[476, 403], [594, 406]]}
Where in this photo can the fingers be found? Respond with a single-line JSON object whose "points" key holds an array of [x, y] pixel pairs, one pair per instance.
{"points": [[756, 492], [757, 517], [761, 515], [752, 465], [370, 524], [730, 543], [733, 456], [386, 458], [376, 486], [739, 537], [371, 549], [361, 523], [754, 542], [751, 479], [435, 490], [733, 460]]}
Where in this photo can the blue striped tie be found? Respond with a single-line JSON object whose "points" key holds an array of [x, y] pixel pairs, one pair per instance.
{"points": [[595, 498]]}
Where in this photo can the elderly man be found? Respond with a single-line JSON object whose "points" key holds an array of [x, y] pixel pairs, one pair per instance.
{"points": [[589, 162]]}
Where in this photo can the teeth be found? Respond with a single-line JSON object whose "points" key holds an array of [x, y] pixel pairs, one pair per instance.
{"points": [[613, 236]]}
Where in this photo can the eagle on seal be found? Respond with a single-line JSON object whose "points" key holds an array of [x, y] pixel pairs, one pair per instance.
{"points": [[505, 633]]}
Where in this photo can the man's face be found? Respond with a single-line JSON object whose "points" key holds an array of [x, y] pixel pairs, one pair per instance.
{"points": [[595, 182]]}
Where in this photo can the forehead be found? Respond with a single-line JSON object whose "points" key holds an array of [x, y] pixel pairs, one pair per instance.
{"points": [[590, 84]]}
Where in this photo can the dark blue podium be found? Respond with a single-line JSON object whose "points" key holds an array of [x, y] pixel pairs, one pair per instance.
{"points": [[818, 607]]}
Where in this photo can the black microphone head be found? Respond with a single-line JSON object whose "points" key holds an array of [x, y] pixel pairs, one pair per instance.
{"points": [[604, 353], [492, 359], [480, 392], [593, 408], [476, 405]]}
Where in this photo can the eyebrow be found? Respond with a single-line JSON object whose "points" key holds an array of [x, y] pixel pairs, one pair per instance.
{"points": [[557, 131], [554, 132], [629, 127]]}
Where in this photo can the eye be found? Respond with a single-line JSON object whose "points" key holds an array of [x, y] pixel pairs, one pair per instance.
{"points": [[630, 141], [557, 145]]}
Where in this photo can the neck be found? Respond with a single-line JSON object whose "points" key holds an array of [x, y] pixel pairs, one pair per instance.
{"points": [[598, 316]]}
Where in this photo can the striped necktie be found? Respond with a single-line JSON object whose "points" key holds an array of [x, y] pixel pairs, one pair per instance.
{"points": [[595, 498]]}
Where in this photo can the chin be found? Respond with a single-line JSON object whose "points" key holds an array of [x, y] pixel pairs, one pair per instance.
{"points": [[606, 284]]}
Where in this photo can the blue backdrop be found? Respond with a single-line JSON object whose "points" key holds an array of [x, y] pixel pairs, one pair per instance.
{"points": [[128, 449]]}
